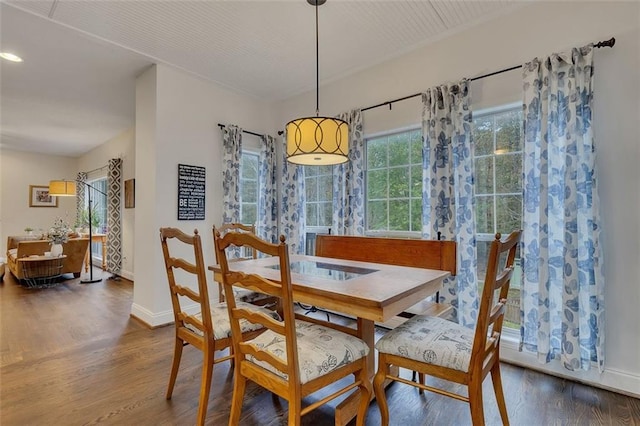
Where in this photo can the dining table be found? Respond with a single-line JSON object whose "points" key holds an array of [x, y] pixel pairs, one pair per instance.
{"points": [[368, 292]]}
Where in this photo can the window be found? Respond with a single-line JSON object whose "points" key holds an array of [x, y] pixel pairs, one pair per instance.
{"points": [[98, 212], [394, 183], [498, 179], [249, 187], [318, 186]]}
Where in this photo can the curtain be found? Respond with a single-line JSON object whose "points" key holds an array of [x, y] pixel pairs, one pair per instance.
{"points": [[293, 215], [348, 182], [267, 205], [448, 189], [114, 216], [81, 179], [231, 159], [232, 144], [562, 301]]}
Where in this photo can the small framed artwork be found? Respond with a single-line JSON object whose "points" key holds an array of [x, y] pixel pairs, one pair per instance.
{"points": [[129, 193], [39, 197]]}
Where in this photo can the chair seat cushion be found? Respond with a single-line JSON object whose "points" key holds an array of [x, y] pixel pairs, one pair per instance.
{"points": [[222, 325], [244, 295], [431, 340], [321, 350]]}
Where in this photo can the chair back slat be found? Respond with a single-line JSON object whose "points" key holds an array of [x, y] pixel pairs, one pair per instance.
{"points": [[170, 236], [281, 289], [491, 312], [254, 282], [260, 355], [237, 227], [259, 318]]}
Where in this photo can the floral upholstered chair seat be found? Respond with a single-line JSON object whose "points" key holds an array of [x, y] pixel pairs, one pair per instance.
{"points": [[321, 350], [221, 323], [431, 340], [249, 296]]}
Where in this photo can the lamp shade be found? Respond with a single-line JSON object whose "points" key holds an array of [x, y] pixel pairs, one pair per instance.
{"points": [[62, 188], [317, 141]]}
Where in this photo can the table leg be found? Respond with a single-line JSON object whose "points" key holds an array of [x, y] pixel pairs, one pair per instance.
{"points": [[348, 409], [86, 260], [104, 253]]}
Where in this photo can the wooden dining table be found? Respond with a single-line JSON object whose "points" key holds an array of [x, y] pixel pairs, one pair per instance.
{"points": [[370, 292]]}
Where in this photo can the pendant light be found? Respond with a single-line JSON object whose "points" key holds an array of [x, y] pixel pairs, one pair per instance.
{"points": [[317, 140]]}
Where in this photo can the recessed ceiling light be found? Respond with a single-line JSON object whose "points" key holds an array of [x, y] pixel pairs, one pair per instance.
{"points": [[10, 57]]}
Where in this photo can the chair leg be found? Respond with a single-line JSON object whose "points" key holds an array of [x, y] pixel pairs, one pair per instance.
{"points": [[475, 403], [497, 388], [365, 395], [239, 385], [378, 388], [421, 381], [177, 355], [295, 407], [205, 386]]}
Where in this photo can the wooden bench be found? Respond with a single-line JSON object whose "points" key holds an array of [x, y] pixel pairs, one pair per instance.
{"points": [[417, 253]]}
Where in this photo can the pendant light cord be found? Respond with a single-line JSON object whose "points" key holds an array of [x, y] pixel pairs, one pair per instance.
{"points": [[317, 67]]}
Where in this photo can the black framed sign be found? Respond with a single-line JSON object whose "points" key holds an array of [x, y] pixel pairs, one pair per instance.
{"points": [[191, 191]]}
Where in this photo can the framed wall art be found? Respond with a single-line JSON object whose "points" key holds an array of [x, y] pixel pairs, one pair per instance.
{"points": [[191, 192], [129, 193], [39, 197]]}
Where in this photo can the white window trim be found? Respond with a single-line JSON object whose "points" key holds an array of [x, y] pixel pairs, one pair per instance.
{"points": [[387, 233]]}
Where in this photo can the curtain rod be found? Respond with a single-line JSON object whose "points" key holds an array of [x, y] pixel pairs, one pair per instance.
{"points": [[605, 43], [98, 169], [222, 126]]}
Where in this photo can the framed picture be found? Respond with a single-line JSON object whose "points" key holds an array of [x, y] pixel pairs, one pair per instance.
{"points": [[129, 193], [39, 197]]}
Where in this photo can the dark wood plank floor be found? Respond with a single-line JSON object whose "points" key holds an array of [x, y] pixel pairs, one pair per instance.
{"points": [[71, 355]]}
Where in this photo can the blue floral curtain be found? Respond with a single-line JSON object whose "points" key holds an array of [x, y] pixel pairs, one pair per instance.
{"points": [[562, 299], [293, 216], [267, 206], [232, 144], [348, 182], [448, 188]]}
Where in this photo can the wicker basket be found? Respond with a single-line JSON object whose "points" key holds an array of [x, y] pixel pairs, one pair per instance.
{"points": [[43, 272]]}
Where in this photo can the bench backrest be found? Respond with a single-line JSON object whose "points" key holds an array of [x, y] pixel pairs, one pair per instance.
{"points": [[430, 254]]}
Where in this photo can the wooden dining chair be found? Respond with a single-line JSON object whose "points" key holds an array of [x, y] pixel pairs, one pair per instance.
{"points": [[449, 351], [293, 358], [208, 333], [243, 294]]}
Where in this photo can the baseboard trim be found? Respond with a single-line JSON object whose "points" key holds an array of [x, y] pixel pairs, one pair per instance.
{"points": [[158, 319], [610, 379], [151, 319], [126, 274]]}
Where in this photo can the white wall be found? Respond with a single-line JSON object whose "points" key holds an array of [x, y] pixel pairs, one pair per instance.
{"points": [[20, 169], [177, 118], [122, 146], [537, 30]]}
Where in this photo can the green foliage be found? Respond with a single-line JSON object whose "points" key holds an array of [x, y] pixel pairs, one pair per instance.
{"points": [[83, 219]]}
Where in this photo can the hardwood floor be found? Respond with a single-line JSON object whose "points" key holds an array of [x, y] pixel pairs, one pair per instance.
{"points": [[71, 355]]}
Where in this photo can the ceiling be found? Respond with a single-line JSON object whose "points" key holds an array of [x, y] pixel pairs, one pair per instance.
{"points": [[76, 86]]}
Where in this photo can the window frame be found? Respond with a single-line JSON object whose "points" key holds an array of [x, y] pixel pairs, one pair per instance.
{"points": [[253, 153], [317, 229], [387, 233], [510, 333]]}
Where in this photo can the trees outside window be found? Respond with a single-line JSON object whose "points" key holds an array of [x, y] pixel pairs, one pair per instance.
{"points": [[498, 183], [318, 184], [394, 183], [249, 187], [99, 210]]}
